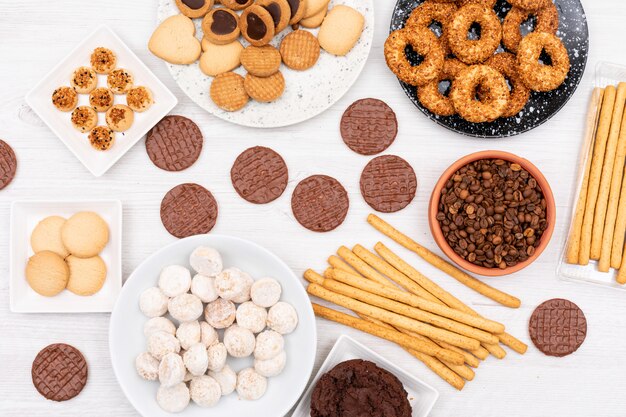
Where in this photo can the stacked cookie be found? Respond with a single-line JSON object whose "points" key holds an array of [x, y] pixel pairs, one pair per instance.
{"points": [[67, 255]]}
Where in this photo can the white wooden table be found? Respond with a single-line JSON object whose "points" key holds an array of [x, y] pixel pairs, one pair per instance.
{"points": [[36, 34]]}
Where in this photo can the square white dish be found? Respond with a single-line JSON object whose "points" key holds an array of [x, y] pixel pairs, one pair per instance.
{"points": [[25, 215], [39, 99], [421, 395]]}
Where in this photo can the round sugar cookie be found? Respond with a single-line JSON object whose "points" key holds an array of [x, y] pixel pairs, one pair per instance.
{"points": [[47, 236], [85, 234], [47, 273], [87, 275]]}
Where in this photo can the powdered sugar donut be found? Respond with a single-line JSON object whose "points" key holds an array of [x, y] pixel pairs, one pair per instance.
{"points": [[217, 357], [171, 370], [153, 303], [231, 283], [251, 317], [227, 378], [205, 391], [250, 385], [174, 280], [159, 324], [265, 292], [196, 359], [245, 293], [220, 313], [206, 261], [188, 333], [173, 399], [282, 318], [185, 307], [268, 344], [203, 287], [147, 366], [239, 341], [271, 367], [208, 335], [162, 343]]}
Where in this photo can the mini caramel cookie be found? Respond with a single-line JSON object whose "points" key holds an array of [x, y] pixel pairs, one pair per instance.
{"points": [[139, 99], [8, 164], [174, 144], [297, 10], [218, 59], [101, 138], [47, 273], [59, 372], [388, 184], [120, 118], [194, 8], [188, 209], [257, 25], [320, 203], [84, 118], [228, 91], [103, 60], [259, 175], [101, 99], [84, 80], [369, 126], [261, 61], [87, 275], [280, 12], [221, 26], [300, 50], [236, 4], [265, 89], [65, 98], [558, 327], [85, 234], [120, 81]]}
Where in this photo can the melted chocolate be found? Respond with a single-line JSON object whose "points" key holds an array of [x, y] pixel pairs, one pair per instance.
{"points": [[294, 5], [194, 4], [256, 27], [223, 23], [275, 12]]}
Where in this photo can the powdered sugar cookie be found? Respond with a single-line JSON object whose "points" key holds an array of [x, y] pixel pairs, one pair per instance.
{"points": [[188, 334], [268, 345], [153, 303], [271, 367], [159, 324], [162, 343], [196, 359], [203, 287], [231, 283], [227, 378], [171, 370], [175, 280], [265, 292], [252, 317], [250, 385], [147, 366], [220, 313], [206, 261], [282, 318], [173, 399], [185, 307], [208, 335], [205, 391], [244, 295], [217, 357], [239, 342]]}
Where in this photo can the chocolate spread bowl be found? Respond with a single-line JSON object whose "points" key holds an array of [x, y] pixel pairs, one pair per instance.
{"points": [[438, 233]]}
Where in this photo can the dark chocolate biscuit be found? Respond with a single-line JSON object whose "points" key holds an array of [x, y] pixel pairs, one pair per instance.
{"points": [[188, 209], [59, 372], [8, 164], [388, 183], [369, 126], [320, 203], [558, 327], [174, 144], [259, 175]]}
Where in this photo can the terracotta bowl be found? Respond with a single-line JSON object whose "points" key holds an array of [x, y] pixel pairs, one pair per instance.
{"points": [[438, 234]]}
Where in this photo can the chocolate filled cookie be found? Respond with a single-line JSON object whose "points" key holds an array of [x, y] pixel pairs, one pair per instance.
{"points": [[236, 4], [221, 26], [84, 118], [257, 25], [297, 8], [101, 99], [65, 98], [280, 12], [194, 8]]}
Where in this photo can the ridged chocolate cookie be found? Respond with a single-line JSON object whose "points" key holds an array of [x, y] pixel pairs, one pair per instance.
{"points": [[59, 372], [388, 183], [558, 327], [174, 144], [320, 203], [369, 126], [188, 209], [259, 175], [8, 164]]}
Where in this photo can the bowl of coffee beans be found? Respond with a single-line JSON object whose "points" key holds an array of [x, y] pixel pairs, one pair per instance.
{"points": [[492, 213]]}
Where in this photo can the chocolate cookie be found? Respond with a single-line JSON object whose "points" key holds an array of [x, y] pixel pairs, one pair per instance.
{"points": [[388, 183], [558, 327], [8, 164], [174, 144], [320, 203], [359, 388], [369, 126], [188, 209], [259, 175], [59, 372]]}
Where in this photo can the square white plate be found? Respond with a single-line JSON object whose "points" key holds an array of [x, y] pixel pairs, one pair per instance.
{"points": [[25, 215], [421, 395], [39, 99]]}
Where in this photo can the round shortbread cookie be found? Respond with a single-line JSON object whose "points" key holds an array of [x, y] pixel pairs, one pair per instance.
{"points": [[87, 275], [300, 50], [47, 273], [341, 30], [47, 236], [85, 234], [261, 61]]}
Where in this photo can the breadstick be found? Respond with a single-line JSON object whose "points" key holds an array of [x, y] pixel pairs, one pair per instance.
{"points": [[517, 345], [338, 263], [313, 277], [620, 229], [593, 115], [394, 319], [470, 359], [443, 265], [361, 266], [597, 163], [387, 334], [621, 274]]}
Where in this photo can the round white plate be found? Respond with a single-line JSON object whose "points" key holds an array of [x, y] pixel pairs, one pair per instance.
{"points": [[307, 93], [126, 339]]}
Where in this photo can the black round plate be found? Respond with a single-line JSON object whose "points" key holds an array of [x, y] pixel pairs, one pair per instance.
{"points": [[574, 33]]}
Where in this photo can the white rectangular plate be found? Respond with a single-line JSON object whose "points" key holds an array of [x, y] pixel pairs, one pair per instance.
{"points": [[40, 100], [421, 395], [25, 215]]}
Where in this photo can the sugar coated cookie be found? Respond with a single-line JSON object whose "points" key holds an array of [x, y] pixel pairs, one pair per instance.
{"points": [[174, 41], [47, 273], [239, 341], [265, 89], [252, 317], [261, 61], [208, 335], [206, 261], [173, 399], [159, 324], [228, 91], [47, 236], [217, 357], [271, 367], [250, 385], [205, 391], [217, 59], [300, 50], [268, 344], [220, 313], [84, 118], [84, 80], [87, 275], [161, 343], [101, 138], [174, 280], [103, 60], [196, 359], [341, 30], [282, 318], [171, 370], [221, 26], [257, 25], [185, 307], [194, 8], [101, 99], [65, 98], [147, 366], [85, 234], [226, 378], [203, 287], [120, 81], [139, 99], [188, 334], [265, 292], [153, 303]]}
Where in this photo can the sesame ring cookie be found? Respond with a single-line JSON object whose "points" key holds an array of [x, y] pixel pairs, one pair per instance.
{"points": [[300, 50], [174, 280], [489, 3], [239, 341], [236, 4], [220, 313], [431, 97], [265, 89], [428, 13], [472, 51], [261, 61], [495, 98], [228, 91], [265, 292], [65, 98], [257, 25], [101, 138], [153, 303], [282, 318], [188, 334], [425, 44], [280, 12], [531, 5], [252, 317], [120, 81], [84, 80], [251, 385], [194, 8], [206, 261], [547, 21], [506, 64], [101, 99], [84, 118], [538, 76], [221, 26], [139, 99], [185, 307], [103, 60], [119, 118]]}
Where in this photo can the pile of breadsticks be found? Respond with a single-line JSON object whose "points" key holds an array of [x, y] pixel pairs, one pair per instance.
{"points": [[396, 302], [599, 223]]}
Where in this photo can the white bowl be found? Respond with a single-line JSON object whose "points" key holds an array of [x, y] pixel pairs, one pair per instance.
{"points": [[126, 339], [421, 395]]}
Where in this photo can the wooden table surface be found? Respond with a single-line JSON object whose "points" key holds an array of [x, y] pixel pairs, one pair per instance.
{"points": [[37, 33]]}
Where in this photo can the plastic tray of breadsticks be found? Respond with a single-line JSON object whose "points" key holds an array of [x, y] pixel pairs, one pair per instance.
{"points": [[570, 268]]}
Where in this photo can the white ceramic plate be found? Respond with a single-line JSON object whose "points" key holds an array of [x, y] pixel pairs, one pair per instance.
{"points": [[307, 93], [39, 99], [421, 395], [126, 339], [24, 217]]}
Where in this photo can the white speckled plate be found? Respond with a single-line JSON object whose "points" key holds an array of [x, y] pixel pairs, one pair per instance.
{"points": [[307, 93]]}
